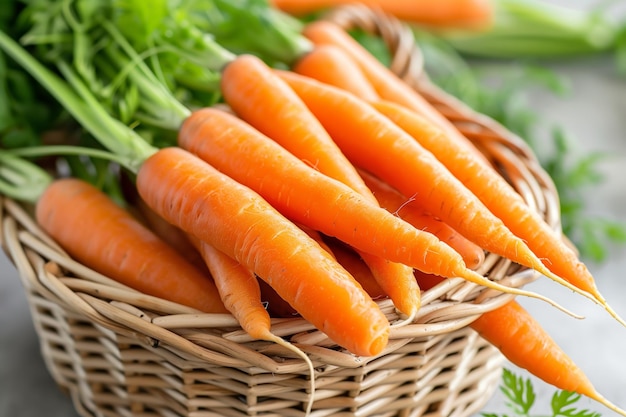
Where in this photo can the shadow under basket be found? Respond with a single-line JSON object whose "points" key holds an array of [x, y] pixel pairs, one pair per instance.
{"points": [[118, 352]]}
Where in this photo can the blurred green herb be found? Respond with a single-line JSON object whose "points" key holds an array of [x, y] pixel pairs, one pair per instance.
{"points": [[520, 398]]}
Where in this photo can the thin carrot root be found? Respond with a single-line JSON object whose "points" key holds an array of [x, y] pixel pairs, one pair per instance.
{"points": [[608, 404], [282, 342], [476, 278], [600, 300], [594, 295], [406, 321]]}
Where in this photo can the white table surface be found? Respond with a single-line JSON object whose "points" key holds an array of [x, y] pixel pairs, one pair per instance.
{"points": [[594, 114]]}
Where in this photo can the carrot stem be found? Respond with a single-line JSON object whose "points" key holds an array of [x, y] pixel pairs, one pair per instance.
{"points": [[20, 179], [84, 107]]}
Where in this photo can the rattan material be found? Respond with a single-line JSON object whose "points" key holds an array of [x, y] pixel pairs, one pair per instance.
{"points": [[118, 352]]}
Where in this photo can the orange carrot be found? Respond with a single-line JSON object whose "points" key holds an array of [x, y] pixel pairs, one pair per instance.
{"points": [[330, 65], [216, 209], [524, 342], [499, 197], [252, 89], [388, 86], [240, 291], [373, 142], [306, 196], [317, 236], [440, 13], [350, 259], [171, 234], [411, 211], [102, 235]]}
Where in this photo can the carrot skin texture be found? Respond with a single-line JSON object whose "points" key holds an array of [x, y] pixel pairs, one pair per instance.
{"points": [[387, 84], [522, 340], [102, 235], [216, 209], [253, 90], [330, 65], [354, 264], [410, 211], [302, 194], [239, 290], [394, 156]]}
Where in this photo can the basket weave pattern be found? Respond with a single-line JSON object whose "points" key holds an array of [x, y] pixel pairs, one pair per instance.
{"points": [[118, 352]]}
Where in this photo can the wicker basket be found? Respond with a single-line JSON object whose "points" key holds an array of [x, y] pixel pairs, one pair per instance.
{"points": [[118, 352]]}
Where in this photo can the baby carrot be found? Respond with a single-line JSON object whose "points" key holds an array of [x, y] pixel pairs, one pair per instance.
{"points": [[239, 290], [330, 65], [388, 86], [441, 13], [499, 197], [216, 209], [394, 156], [253, 90], [410, 211], [524, 342], [102, 235], [306, 196]]}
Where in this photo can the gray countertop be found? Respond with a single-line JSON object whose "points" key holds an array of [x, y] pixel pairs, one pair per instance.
{"points": [[594, 114]]}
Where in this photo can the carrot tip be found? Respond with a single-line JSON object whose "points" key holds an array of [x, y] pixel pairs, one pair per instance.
{"points": [[481, 280], [610, 310], [280, 341], [608, 404], [407, 320]]}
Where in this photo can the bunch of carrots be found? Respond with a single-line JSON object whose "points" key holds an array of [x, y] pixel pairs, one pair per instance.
{"points": [[322, 188]]}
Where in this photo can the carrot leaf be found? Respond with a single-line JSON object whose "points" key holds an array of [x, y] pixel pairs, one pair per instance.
{"points": [[562, 402], [519, 393], [520, 399]]}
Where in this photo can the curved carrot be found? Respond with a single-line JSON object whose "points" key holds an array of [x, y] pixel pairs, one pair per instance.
{"points": [[499, 197], [216, 209], [306, 196], [240, 291], [330, 65], [253, 90], [388, 86], [411, 211], [102, 235], [373, 142], [523, 341], [442, 13], [349, 259]]}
